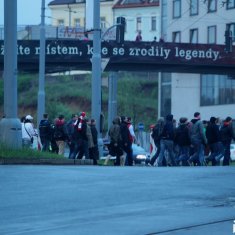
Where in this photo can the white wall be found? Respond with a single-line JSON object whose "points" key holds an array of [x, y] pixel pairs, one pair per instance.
{"points": [[200, 21], [145, 13], [186, 99]]}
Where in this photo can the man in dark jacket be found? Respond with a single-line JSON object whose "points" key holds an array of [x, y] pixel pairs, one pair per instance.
{"points": [[80, 138], [126, 142], [70, 131], [167, 141], [156, 135], [94, 151], [115, 142], [213, 140], [226, 134], [45, 132], [182, 139]]}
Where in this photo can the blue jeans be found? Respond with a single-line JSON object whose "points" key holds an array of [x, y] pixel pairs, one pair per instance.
{"points": [[198, 153], [169, 146], [215, 153], [183, 155]]}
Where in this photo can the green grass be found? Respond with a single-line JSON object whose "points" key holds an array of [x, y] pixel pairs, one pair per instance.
{"points": [[136, 96], [6, 152]]}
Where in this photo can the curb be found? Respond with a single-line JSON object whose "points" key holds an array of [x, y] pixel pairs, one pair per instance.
{"points": [[41, 161]]}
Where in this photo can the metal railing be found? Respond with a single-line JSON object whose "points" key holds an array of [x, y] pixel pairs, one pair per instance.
{"points": [[32, 32]]}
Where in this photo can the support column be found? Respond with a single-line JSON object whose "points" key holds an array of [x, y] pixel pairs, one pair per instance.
{"points": [[41, 82], [10, 126], [96, 73]]}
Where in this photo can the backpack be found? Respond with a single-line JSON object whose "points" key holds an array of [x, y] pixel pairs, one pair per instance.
{"points": [[58, 133]]}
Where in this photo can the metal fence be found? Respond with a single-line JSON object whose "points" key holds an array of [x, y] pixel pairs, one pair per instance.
{"points": [[32, 32]]}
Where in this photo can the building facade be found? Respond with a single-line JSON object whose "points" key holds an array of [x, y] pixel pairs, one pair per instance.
{"points": [[140, 15], [197, 21]]}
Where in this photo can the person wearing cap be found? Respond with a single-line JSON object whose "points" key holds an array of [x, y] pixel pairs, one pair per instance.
{"points": [[28, 131], [226, 135], [198, 140]]}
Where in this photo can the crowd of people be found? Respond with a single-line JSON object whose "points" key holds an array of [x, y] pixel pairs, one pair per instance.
{"points": [[79, 133], [188, 143], [191, 143]]}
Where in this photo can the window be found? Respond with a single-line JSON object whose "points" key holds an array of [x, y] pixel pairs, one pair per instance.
{"points": [[60, 22], [138, 23], [193, 7], [193, 34], [230, 4], [77, 23], [212, 5], [176, 8], [102, 22], [211, 35], [217, 89], [232, 29], [153, 23], [176, 36]]}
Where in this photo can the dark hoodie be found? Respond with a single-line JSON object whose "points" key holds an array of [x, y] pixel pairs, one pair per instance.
{"points": [[60, 131], [168, 129], [182, 137], [212, 131], [226, 132]]}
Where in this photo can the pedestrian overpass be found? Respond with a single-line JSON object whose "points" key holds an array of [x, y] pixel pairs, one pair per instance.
{"points": [[68, 54]]}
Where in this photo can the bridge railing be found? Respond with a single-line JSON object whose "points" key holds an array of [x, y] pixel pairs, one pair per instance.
{"points": [[32, 32]]}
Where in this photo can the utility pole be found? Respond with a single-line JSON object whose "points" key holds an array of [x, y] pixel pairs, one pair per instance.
{"points": [[41, 82], [96, 72], [10, 126]]}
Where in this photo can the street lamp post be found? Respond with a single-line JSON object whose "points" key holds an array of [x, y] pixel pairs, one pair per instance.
{"points": [[41, 88], [10, 126], [96, 71]]}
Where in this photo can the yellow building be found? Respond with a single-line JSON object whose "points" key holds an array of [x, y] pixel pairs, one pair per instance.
{"points": [[72, 13]]}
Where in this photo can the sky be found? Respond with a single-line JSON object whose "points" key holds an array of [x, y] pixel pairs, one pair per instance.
{"points": [[28, 12]]}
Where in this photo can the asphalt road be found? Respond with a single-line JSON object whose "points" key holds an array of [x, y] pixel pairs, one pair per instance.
{"points": [[99, 200]]}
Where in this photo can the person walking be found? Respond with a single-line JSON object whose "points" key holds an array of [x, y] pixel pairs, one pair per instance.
{"points": [[60, 134], [28, 132], [227, 134], [156, 135], [45, 132], [70, 131], [126, 146], [213, 140], [182, 140], [167, 141], [198, 140], [115, 142], [94, 151], [80, 138]]}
